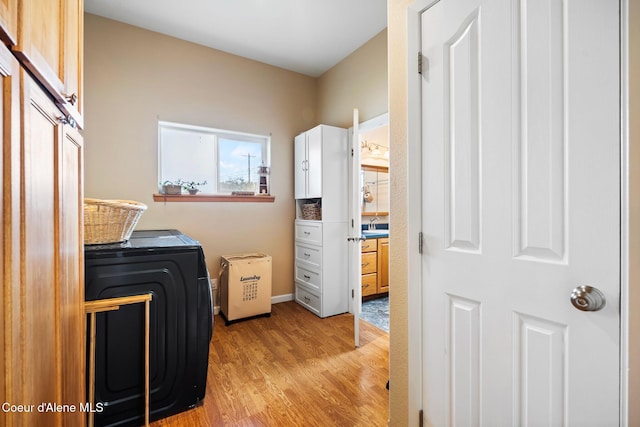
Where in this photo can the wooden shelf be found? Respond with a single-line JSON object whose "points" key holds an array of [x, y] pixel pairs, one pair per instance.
{"points": [[211, 198]]}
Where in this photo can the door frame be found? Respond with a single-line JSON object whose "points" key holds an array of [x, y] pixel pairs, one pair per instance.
{"points": [[414, 206]]}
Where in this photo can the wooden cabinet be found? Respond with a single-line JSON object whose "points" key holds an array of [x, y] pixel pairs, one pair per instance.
{"points": [[50, 45], [375, 266], [8, 21], [383, 264], [42, 321]]}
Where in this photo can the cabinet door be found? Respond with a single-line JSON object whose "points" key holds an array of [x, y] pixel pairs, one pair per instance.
{"points": [[10, 318], [52, 289], [8, 21], [369, 284], [383, 265], [300, 166], [73, 70], [314, 162], [49, 44], [369, 262]]}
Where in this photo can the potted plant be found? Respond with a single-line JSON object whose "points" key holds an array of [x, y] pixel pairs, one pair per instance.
{"points": [[192, 187], [172, 187]]}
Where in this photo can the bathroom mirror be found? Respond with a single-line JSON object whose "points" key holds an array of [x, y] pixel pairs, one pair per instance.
{"points": [[375, 190]]}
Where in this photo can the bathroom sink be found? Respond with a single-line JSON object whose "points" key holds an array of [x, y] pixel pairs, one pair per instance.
{"points": [[375, 233]]}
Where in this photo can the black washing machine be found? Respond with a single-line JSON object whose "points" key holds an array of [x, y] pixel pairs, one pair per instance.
{"points": [[171, 266]]}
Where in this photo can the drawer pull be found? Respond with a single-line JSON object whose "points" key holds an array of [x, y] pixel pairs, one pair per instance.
{"points": [[307, 255], [306, 277], [307, 300], [307, 233], [365, 264]]}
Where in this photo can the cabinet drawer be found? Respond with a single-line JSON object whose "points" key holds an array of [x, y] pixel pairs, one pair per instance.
{"points": [[308, 299], [370, 245], [369, 262], [309, 232], [369, 284], [310, 254], [308, 276]]}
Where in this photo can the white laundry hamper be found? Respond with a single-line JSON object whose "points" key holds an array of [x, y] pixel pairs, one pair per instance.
{"points": [[245, 286]]}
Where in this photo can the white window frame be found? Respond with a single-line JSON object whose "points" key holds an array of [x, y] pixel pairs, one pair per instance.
{"points": [[217, 134]]}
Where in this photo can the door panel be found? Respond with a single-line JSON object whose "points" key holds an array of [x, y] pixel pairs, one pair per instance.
{"points": [[300, 166], [520, 131], [314, 162]]}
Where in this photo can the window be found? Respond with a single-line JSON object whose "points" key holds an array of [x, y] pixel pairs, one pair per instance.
{"points": [[221, 161]]}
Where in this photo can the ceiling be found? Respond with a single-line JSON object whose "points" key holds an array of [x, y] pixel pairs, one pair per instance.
{"points": [[306, 36]]}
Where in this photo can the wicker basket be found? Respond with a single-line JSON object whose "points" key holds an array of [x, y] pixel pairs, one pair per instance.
{"points": [[110, 221], [311, 211]]}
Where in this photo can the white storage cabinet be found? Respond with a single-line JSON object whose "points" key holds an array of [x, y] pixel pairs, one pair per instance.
{"points": [[321, 173]]}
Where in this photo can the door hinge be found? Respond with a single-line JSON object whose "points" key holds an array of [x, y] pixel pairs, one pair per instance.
{"points": [[352, 153], [421, 418], [419, 62], [420, 240]]}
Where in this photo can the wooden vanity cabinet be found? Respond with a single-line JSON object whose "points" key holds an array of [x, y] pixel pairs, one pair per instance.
{"points": [[375, 266], [369, 267], [383, 265]]}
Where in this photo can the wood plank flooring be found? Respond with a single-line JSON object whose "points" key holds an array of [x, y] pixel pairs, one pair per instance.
{"points": [[293, 369]]}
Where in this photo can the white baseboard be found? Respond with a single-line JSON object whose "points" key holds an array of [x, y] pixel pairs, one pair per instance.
{"points": [[282, 298], [274, 300]]}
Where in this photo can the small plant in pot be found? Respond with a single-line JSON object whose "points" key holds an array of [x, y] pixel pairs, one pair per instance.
{"points": [[192, 187], [172, 187]]}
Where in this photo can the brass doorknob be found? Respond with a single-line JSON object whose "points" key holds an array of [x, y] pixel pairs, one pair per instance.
{"points": [[587, 298]]}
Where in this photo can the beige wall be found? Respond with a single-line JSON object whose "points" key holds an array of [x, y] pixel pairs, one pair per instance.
{"points": [[136, 77], [358, 81]]}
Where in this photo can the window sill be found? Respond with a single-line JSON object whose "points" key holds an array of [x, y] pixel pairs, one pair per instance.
{"points": [[211, 198]]}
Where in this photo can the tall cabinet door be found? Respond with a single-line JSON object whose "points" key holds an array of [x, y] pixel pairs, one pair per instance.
{"points": [[10, 357], [314, 162], [50, 34], [300, 166], [8, 21], [52, 288]]}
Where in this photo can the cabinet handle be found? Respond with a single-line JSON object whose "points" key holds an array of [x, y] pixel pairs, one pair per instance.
{"points": [[71, 99], [307, 255], [306, 277], [307, 233], [307, 299], [67, 121], [365, 264]]}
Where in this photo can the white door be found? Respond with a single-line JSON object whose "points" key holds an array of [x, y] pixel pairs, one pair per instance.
{"points": [[314, 162], [520, 191], [355, 228]]}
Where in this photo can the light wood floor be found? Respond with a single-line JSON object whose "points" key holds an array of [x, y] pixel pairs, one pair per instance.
{"points": [[293, 369]]}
